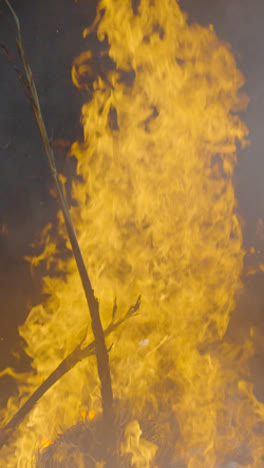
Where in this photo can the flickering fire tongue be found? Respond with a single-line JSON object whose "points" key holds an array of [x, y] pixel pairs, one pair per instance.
{"points": [[156, 216]]}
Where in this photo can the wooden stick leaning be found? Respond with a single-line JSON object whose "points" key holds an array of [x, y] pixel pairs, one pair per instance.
{"points": [[101, 353], [77, 355]]}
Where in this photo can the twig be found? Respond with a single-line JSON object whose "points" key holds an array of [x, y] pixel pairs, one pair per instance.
{"points": [[77, 355], [93, 306]]}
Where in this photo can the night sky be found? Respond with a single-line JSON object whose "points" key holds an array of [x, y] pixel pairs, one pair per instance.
{"points": [[52, 31]]}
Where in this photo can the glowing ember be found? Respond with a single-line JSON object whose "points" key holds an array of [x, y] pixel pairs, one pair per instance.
{"points": [[156, 217]]}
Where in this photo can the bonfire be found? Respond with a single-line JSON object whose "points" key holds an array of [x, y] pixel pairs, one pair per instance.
{"points": [[147, 378]]}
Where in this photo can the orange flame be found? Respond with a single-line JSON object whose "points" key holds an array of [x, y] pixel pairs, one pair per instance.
{"points": [[156, 216], [88, 415], [45, 443]]}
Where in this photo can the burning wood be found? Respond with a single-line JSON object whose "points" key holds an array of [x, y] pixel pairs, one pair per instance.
{"points": [[77, 355]]}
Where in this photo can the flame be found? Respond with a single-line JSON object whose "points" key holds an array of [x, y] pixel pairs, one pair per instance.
{"points": [[45, 443], [142, 452], [156, 216], [88, 415]]}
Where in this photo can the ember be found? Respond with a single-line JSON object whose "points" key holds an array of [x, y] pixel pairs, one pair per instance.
{"points": [[156, 216]]}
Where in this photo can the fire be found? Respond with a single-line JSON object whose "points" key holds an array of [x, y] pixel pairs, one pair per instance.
{"points": [[156, 216], [45, 443], [88, 415]]}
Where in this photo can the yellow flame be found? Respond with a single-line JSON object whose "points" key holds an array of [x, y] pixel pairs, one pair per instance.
{"points": [[142, 452], [156, 216]]}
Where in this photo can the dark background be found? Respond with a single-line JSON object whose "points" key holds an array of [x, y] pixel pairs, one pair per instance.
{"points": [[52, 31]]}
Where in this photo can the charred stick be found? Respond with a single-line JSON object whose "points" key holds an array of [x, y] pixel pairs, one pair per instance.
{"points": [[77, 355]]}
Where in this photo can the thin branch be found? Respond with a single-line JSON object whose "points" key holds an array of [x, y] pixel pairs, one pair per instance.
{"points": [[77, 355], [93, 306]]}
